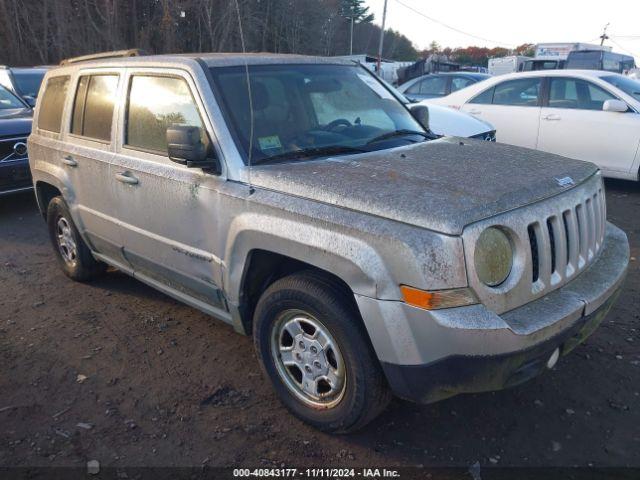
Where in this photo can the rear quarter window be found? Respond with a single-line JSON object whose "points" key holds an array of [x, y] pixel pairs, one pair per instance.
{"points": [[523, 92], [484, 98], [52, 103]]}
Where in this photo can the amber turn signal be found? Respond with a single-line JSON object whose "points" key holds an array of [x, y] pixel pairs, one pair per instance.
{"points": [[437, 299]]}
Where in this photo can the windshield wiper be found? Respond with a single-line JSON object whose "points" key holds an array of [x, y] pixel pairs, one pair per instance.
{"points": [[312, 152], [398, 133]]}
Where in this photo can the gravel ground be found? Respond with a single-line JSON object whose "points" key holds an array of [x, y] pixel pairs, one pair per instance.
{"points": [[117, 372]]}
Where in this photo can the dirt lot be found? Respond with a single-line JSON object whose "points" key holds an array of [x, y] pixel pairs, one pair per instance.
{"points": [[167, 385]]}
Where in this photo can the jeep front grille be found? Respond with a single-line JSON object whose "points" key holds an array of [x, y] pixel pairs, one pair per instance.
{"points": [[553, 240], [563, 244]]}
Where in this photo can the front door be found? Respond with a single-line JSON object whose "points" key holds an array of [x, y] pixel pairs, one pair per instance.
{"points": [[513, 108], [168, 212], [574, 125]]}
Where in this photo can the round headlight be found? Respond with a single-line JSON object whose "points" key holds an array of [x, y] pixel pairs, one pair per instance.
{"points": [[493, 257]]}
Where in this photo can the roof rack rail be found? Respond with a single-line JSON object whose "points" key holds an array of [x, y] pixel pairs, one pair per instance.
{"points": [[132, 52]]}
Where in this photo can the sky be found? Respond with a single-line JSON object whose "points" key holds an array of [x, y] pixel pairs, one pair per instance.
{"points": [[502, 23]]}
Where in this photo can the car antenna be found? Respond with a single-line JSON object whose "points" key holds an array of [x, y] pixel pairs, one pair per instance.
{"points": [[251, 119]]}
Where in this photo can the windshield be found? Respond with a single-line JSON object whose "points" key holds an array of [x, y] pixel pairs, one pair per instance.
{"points": [[28, 82], [9, 100], [584, 60], [311, 108], [626, 84]]}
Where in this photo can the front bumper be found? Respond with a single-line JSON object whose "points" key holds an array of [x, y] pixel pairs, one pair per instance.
{"points": [[15, 176], [431, 355]]}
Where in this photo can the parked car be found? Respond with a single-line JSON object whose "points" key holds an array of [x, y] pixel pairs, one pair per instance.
{"points": [[445, 121], [15, 126], [581, 114], [449, 122], [298, 200], [23, 81], [439, 84]]}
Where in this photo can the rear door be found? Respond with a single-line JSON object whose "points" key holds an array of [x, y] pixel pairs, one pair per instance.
{"points": [[169, 213], [86, 156], [513, 108], [573, 124]]}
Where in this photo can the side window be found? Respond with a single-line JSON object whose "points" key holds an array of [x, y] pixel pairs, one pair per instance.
{"points": [[154, 104], [93, 106], [485, 98], [611, 64], [415, 88], [460, 82], [578, 94], [52, 103], [434, 86], [563, 93], [596, 96], [523, 92]]}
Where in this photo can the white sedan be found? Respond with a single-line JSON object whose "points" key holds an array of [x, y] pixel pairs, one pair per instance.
{"points": [[583, 114]]}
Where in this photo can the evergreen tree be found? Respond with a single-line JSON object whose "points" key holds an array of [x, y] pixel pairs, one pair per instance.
{"points": [[355, 12], [354, 9]]}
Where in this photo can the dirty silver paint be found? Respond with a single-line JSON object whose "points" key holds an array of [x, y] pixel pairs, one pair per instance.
{"points": [[410, 336], [377, 220], [519, 288], [441, 185]]}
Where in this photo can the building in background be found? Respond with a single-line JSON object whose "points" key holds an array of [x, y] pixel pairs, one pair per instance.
{"points": [[388, 68], [434, 63]]}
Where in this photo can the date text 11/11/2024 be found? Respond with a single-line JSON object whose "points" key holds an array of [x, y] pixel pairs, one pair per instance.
{"points": [[316, 473]]}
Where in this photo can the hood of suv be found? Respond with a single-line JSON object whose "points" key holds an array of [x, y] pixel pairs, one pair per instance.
{"points": [[442, 185]]}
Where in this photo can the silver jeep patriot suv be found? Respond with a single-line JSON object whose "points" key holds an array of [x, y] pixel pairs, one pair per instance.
{"points": [[298, 200]]}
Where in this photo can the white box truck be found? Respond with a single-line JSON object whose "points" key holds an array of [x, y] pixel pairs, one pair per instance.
{"points": [[510, 64]]}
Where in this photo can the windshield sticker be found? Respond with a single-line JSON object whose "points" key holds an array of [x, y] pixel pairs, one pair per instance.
{"points": [[374, 85], [269, 143]]}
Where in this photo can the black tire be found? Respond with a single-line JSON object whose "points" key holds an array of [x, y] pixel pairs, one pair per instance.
{"points": [[365, 394], [84, 266]]}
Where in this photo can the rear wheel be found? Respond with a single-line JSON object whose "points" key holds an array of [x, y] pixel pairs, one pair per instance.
{"points": [[315, 350], [73, 254]]}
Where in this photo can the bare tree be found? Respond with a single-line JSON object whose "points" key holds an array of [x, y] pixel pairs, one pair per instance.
{"points": [[45, 31]]}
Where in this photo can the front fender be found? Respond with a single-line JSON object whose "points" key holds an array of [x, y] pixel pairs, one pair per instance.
{"points": [[351, 259]]}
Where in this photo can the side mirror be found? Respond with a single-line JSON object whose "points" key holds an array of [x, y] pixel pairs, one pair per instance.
{"points": [[184, 146], [421, 114], [614, 106]]}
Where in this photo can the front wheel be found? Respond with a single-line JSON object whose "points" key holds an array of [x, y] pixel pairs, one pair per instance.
{"points": [[315, 350]]}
